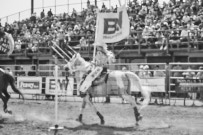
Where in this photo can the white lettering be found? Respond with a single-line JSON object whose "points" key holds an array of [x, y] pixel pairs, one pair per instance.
{"points": [[28, 85]]}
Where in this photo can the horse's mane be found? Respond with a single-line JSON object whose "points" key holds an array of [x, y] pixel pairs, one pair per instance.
{"points": [[79, 62]]}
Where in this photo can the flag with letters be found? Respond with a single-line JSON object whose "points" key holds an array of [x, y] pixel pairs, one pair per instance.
{"points": [[6, 44], [112, 27]]}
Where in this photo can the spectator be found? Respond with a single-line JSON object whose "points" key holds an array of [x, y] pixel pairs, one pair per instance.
{"points": [[18, 44], [184, 34], [21, 72], [42, 15], [33, 18], [83, 42], [177, 73], [158, 73], [32, 72], [61, 38], [49, 13], [200, 77], [88, 4], [189, 78], [146, 72]]}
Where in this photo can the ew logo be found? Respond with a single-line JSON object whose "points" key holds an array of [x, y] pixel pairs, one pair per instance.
{"points": [[112, 25]]}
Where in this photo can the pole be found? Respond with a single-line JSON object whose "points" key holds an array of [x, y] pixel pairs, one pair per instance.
{"points": [[68, 5], [43, 4], [32, 7], [56, 128], [55, 7], [19, 16], [119, 2], [81, 5], [56, 92], [96, 35]]}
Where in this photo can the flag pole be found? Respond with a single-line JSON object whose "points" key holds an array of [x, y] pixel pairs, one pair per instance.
{"points": [[96, 35], [119, 2]]}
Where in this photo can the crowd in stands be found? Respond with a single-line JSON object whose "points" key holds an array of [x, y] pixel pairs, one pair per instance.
{"points": [[152, 26]]}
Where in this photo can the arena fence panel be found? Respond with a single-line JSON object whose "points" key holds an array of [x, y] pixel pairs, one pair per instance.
{"points": [[166, 81], [186, 80]]}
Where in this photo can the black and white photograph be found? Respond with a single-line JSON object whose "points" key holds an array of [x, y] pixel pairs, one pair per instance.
{"points": [[101, 67]]}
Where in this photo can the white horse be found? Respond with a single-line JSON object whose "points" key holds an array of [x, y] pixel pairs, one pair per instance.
{"points": [[115, 82]]}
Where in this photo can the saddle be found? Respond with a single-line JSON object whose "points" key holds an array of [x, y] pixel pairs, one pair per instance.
{"points": [[102, 78]]}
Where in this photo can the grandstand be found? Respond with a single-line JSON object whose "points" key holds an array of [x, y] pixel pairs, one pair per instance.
{"points": [[159, 34], [168, 34]]}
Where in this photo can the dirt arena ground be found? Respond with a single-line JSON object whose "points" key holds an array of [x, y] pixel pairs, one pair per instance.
{"points": [[35, 117]]}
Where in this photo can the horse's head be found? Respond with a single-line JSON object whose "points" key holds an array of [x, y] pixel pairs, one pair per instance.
{"points": [[76, 63], [79, 66]]}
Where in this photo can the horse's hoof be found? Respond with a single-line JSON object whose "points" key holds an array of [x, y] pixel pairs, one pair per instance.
{"points": [[102, 122], [139, 118], [7, 111], [10, 112], [79, 120]]}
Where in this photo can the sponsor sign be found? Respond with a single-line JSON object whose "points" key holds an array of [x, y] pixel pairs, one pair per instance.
{"points": [[30, 85], [153, 84], [64, 87], [112, 27]]}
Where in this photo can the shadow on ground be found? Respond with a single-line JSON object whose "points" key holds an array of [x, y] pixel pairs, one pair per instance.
{"points": [[107, 129]]}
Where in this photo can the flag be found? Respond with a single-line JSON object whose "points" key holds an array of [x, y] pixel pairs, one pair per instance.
{"points": [[6, 44], [112, 27]]}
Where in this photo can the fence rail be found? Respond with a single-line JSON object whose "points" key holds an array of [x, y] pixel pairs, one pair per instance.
{"points": [[156, 77]]}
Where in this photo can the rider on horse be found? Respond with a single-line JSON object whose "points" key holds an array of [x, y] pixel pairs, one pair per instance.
{"points": [[103, 57]]}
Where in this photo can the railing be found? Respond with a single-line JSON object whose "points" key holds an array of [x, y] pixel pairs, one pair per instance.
{"points": [[57, 9], [164, 81], [186, 78], [135, 44]]}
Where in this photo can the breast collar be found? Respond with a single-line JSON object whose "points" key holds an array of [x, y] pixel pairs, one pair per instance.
{"points": [[2, 70]]}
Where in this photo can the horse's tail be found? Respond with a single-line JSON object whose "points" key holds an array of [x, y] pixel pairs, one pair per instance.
{"points": [[135, 83], [11, 81]]}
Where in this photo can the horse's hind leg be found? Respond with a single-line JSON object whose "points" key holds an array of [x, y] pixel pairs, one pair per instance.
{"points": [[4, 101], [129, 98], [7, 97], [87, 98]]}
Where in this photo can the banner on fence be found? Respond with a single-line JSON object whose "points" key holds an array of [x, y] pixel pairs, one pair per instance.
{"points": [[65, 87], [29, 85], [153, 84]]}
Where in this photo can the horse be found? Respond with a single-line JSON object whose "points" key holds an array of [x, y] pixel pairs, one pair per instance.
{"points": [[5, 80], [125, 82]]}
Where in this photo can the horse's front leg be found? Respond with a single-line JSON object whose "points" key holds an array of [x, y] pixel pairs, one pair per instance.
{"points": [[95, 109], [81, 110]]}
